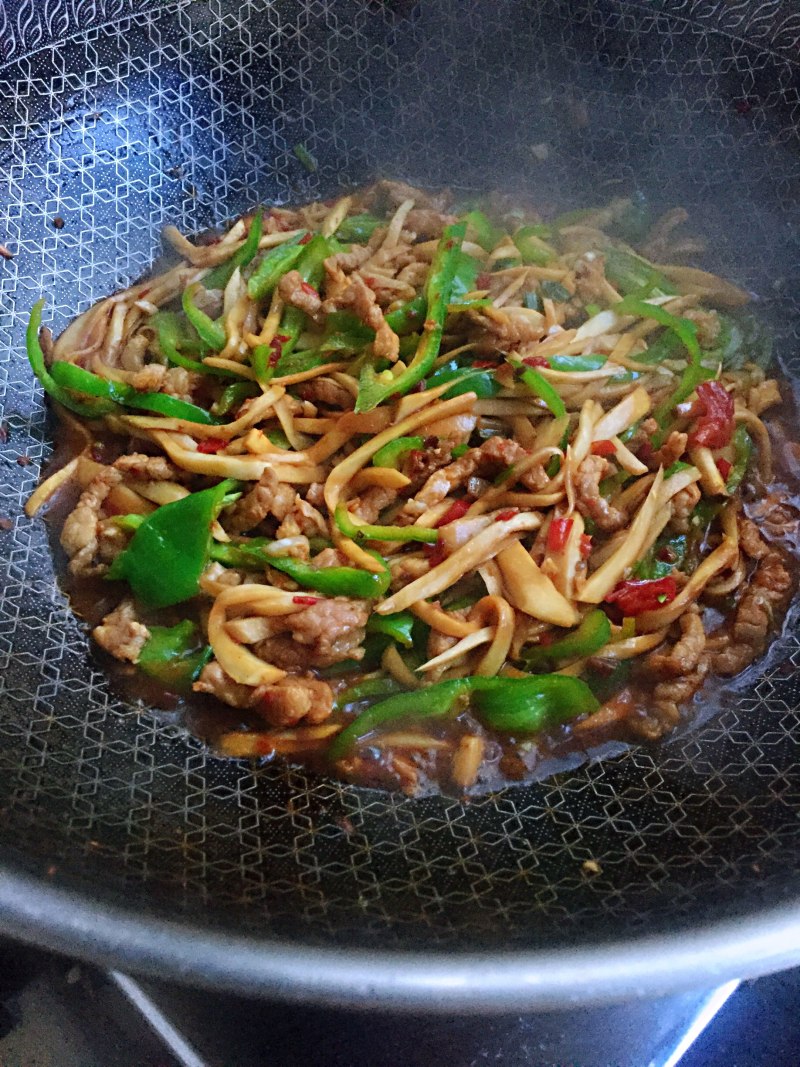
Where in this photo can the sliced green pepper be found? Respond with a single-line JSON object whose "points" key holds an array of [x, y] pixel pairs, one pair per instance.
{"points": [[532, 248], [532, 301], [233, 396], [482, 230], [273, 266], [391, 453], [262, 364], [373, 389], [525, 706], [519, 706], [219, 276], [540, 387], [330, 581], [358, 228], [210, 332], [368, 532], [663, 557], [743, 448], [76, 378], [632, 274], [369, 689], [398, 626], [555, 291], [577, 363], [465, 278], [174, 655], [434, 702], [298, 362], [481, 382], [87, 409], [593, 633], [167, 553], [171, 334]]}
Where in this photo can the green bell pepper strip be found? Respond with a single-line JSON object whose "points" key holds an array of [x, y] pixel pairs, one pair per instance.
{"points": [[434, 702], [519, 706], [369, 689], [297, 362], [593, 633], [482, 230], [408, 317], [743, 447], [540, 387], [273, 266], [555, 291], [373, 389], [83, 381], [305, 158], [532, 248], [666, 346], [310, 268], [694, 372], [525, 706], [398, 626], [330, 581], [465, 278], [358, 228], [369, 532], [170, 334], [219, 276], [232, 396], [465, 380], [344, 332], [391, 453], [174, 655], [262, 365], [167, 553], [652, 566], [210, 332], [532, 301], [87, 409], [459, 451], [632, 274], [577, 363]]}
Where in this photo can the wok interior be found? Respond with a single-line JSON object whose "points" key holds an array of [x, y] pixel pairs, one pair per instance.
{"points": [[189, 114]]}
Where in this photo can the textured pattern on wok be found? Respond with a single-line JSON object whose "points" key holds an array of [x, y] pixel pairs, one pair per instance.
{"points": [[152, 113]]}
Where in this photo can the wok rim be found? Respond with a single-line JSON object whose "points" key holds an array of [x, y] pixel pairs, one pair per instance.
{"points": [[646, 967]]}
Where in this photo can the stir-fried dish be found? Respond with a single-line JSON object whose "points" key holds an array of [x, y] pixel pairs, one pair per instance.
{"points": [[423, 495]]}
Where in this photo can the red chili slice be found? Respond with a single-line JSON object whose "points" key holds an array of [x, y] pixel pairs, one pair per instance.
{"points": [[457, 510], [586, 545], [504, 516], [603, 448], [536, 361], [724, 468], [558, 533], [307, 601], [303, 240], [635, 597], [309, 290], [714, 425], [436, 553], [211, 446], [484, 363]]}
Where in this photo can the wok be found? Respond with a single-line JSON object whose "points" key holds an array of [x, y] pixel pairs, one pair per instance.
{"points": [[123, 840]]}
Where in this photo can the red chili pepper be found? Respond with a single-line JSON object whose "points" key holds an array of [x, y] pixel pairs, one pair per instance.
{"points": [[586, 545], [558, 533], [436, 553], [545, 640], [307, 601], [211, 446], [714, 425], [483, 281], [276, 347], [484, 363], [724, 468], [635, 597], [303, 240], [603, 448], [309, 290], [536, 361], [457, 510], [504, 516]]}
